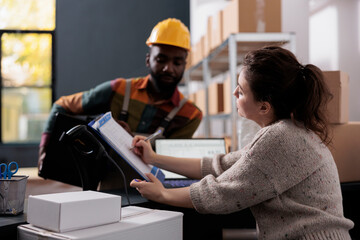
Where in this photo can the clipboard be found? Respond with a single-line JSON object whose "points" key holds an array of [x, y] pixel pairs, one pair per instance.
{"points": [[120, 141]]}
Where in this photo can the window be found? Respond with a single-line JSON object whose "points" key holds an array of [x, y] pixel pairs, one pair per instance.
{"points": [[26, 68]]}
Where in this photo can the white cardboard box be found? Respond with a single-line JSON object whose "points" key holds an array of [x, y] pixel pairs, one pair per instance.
{"points": [[61, 212], [136, 223]]}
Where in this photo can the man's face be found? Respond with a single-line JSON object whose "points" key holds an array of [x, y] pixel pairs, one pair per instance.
{"points": [[166, 64]]}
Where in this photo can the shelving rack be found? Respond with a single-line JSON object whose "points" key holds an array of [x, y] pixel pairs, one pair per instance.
{"points": [[227, 58]]}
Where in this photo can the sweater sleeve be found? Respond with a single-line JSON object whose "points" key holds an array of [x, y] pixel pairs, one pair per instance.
{"points": [[93, 101], [97, 100], [219, 163]]}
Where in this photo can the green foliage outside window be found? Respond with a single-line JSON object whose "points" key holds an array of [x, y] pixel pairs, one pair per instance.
{"points": [[26, 68], [26, 59], [27, 14]]}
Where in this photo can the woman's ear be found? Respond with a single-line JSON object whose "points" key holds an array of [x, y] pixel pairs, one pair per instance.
{"points": [[265, 108]]}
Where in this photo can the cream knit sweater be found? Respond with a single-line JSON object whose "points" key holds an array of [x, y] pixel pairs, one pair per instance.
{"points": [[286, 176]]}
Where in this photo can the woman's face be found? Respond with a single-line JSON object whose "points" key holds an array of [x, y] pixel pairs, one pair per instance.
{"points": [[246, 105]]}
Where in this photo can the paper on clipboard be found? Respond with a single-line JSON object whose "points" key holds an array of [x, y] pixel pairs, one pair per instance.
{"points": [[120, 140]]}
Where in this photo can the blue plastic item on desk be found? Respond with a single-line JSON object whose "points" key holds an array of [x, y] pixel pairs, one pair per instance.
{"points": [[8, 173]]}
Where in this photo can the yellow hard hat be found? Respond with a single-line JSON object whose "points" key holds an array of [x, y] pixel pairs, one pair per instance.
{"points": [[170, 32]]}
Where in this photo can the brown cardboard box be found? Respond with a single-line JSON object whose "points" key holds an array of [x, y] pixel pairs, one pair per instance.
{"points": [[338, 107], [346, 150], [188, 60], [252, 16], [228, 143], [227, 95], [216, 30], [192, 97], [216, 98], [206, 44], [197, 51], [200, 100]]}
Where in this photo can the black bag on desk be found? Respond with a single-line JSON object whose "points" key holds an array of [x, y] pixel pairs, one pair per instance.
{"points": [[59, 163], [77, 155]]}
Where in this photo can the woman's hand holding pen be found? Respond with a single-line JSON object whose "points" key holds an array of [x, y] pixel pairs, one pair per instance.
{"points": [[143, 149], [154, 189]]}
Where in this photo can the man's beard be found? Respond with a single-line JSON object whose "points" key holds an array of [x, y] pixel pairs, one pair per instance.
{"points": [[165, 86]]}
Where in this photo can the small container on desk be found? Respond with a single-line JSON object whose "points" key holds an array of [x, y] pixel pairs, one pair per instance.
{"points": [[12, 195]]}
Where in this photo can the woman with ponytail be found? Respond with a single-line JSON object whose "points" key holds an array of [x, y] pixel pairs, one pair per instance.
{"points": [[286, 175]]}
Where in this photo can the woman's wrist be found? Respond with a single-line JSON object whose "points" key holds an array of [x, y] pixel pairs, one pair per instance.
{"points": [[179, 197], [164, 196], [154, 158]]}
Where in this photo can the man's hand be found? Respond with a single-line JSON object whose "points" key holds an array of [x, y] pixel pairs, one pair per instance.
{"points": [[42, 155], [45, 138]]}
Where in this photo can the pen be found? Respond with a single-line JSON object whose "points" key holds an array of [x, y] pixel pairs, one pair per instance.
{"points": [[150, 137]]}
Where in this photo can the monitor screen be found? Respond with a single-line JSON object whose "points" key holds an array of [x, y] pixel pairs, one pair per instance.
{"points": [[189, 148]]}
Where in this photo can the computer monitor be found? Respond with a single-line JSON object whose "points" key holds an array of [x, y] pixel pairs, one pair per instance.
{"points": [[189, 148]]}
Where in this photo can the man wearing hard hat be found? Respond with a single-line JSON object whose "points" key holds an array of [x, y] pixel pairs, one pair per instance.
{"points": [[142, 104]]}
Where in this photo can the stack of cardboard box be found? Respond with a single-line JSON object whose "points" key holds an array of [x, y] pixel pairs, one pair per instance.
{"points": [[215, 35], [252, 16], [199, 99], [238, 16], [219, 101], [219, 97], [227, 99], [345, 145], [197, 51], [216, 98]]}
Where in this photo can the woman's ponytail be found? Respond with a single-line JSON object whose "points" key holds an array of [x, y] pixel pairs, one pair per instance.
{"points": [[314, 111]]}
